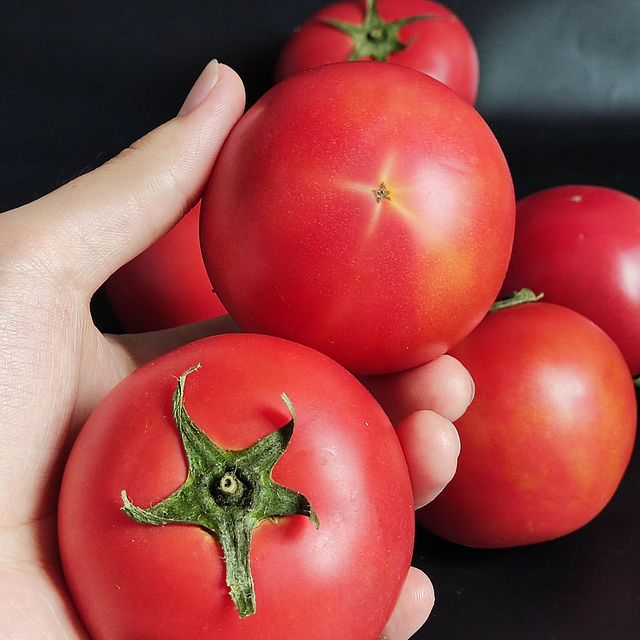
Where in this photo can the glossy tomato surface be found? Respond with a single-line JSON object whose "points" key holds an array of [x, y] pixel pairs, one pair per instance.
{"points": [[580, 246], [167, 284], [548, 436], [438, 45], [363, 209], [341, 580]]}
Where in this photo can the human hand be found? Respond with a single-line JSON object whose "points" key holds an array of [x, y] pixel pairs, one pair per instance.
{"points": [[55, 366]]}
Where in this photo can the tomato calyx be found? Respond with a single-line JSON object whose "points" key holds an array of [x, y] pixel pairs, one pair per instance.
{"points": [[227, 493], [375, 38], [523, 296]]}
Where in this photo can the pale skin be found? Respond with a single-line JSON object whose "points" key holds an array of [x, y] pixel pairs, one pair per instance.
{"points": [[56, 366]]}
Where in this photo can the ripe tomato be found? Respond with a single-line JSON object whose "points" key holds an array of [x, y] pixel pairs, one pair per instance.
{"points": [[166, 285], [341, 580], [363, 209], [548, 435], [419, 34], [580, 245]]}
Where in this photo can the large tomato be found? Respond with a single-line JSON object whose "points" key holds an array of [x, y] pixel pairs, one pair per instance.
{"points": [[166, 285], [419, 34], [548, 435], [141, 574], [580, 246], [363, 209]]}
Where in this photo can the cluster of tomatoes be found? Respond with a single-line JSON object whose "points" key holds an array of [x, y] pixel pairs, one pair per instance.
{"points": [[360, 220], [551, 430]]}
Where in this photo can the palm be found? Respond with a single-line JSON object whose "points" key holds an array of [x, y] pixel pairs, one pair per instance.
{"points": [[45, 375]]}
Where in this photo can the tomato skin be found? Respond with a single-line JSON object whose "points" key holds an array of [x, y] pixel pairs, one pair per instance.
{"points": [[548, 436], [440, 47], [131, 580], [297, 244], [580, 246], [167, 284]]}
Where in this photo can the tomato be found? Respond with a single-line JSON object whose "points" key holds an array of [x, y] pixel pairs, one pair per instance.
{"points": [[166, 285], [341, 579], [419, 34], [548, 435], [580, 246], [362, 209]]}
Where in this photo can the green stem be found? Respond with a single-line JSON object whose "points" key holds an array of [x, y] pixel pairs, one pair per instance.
{"points": [[375, 38], [516, 298], [235, 540], [227, 493]]}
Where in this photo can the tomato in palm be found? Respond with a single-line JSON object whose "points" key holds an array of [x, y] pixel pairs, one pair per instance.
{"points": [[548, 435], [580, 246], [419, 34], [328, 522], [167, 284], [362, 209]]}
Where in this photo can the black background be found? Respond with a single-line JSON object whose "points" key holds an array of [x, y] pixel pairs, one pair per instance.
{"points": [[560, 87]]}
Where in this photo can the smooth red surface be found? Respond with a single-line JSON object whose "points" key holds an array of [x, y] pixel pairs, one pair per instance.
{"points": [[297, 245], [439, 46], [167, 284], [548, 435], [580, 246], [342, 581]]}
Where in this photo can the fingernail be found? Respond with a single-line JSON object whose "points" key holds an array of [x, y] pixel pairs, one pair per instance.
{"points": [[202, 88], [473, 388], [459, 445]]}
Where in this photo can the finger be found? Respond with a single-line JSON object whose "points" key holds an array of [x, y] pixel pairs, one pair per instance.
{"points": [[442, 385], [431, 447], [413, 608], [104, 218]]}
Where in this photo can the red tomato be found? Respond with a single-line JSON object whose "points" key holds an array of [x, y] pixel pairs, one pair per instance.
{"points": [[340, 580], [548, 435], [166, 285], [419, 34], [580, 246], [363, 209]]}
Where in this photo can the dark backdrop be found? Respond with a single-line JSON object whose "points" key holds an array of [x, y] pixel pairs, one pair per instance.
{"points": [[560, 86]]}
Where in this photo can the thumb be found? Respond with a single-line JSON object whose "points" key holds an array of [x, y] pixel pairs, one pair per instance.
{"points": [[104, 218]]}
